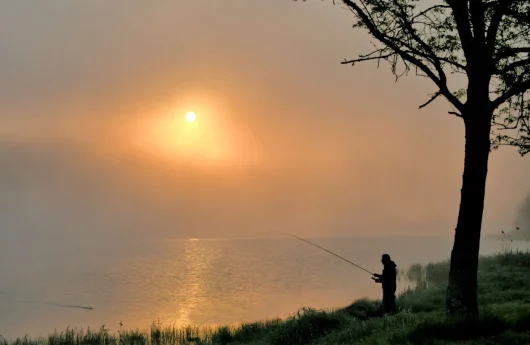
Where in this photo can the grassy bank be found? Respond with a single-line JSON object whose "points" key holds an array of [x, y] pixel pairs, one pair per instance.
{"points": [[504, 288]]}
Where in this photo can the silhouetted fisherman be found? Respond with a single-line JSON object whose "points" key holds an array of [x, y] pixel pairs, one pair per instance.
{"points": [[388, 282]]}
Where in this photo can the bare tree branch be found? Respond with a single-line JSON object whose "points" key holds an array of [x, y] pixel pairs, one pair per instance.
{"points": [[363, 58], [487, 40], [404, 55], [513, 66], [510, 52], [496, 19], [426, 11], [514, 91], [460, 13], [436, 95]]}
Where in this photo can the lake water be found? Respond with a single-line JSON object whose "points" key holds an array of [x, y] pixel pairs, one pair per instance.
{"points": [[207, 282]]}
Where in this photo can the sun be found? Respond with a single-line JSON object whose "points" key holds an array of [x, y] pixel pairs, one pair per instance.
{"points": [[190, 116]]}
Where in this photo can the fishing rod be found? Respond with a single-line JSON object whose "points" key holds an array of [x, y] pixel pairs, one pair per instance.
{"points": [[316, 245]]}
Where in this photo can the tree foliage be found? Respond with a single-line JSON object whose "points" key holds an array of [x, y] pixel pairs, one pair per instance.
{"points": [[439, 40]]}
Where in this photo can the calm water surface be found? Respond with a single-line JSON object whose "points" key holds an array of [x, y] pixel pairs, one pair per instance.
{"points": [[180, 282]]}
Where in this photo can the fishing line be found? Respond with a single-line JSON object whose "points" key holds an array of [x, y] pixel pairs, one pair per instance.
{"points": [[60, 305], [316, 245], [55, 304]]}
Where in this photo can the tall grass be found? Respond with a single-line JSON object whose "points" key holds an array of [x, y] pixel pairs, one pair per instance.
{"points": [[503, 294]]}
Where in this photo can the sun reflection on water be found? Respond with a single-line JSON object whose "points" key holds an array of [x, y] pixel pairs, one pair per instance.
{"points": [[196, 263]]}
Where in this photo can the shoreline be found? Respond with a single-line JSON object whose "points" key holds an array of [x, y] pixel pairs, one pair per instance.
{"points": [[503, 294]]}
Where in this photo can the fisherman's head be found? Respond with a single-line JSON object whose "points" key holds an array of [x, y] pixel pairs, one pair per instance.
{"points": [[385, 259]]}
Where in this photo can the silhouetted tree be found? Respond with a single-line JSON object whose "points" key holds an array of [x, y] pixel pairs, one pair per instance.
{"points": [[487, 41]]}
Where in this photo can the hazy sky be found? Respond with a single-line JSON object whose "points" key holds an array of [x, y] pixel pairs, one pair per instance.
{"points": [[93, 138]]}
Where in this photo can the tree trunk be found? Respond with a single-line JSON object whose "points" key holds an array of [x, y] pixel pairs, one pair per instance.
{"points": [[462, 295]]}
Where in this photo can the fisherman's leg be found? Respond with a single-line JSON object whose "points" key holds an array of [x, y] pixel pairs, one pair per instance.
{"points": [[385, 306], [392, 304], [389, 303]]}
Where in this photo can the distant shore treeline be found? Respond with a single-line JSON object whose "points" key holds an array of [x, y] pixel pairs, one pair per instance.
{"points": [[522, 220]]}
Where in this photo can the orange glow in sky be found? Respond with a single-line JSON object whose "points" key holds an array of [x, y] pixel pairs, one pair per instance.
{"points": [[213, 141], [284, 136]]}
